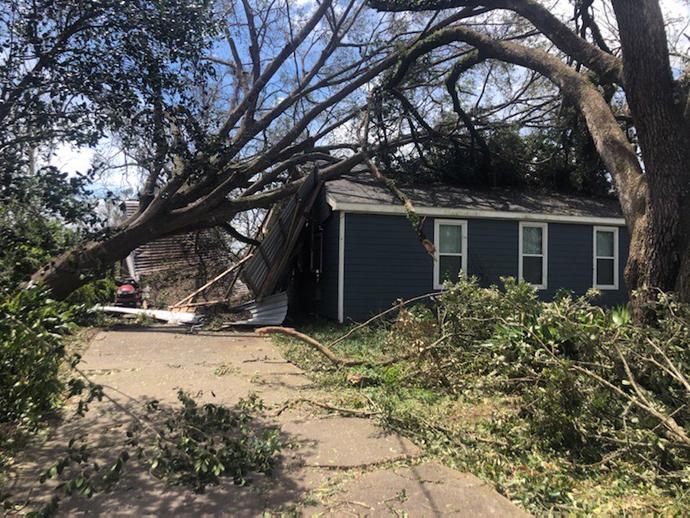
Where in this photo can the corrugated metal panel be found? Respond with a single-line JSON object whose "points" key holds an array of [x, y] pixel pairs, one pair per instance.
{"points": [[264, 270], [271, 311], [183, 251]]}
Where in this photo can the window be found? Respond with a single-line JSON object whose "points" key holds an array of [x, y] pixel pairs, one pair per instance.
{"points": [[605, 258], [533, 245], [450, 238]]}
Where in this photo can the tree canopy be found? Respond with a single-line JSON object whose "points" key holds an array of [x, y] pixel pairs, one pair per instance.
{"points": [[224, 106]]}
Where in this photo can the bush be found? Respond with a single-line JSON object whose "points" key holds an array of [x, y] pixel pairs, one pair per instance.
{"points": [[32, 352], [101, 291]]}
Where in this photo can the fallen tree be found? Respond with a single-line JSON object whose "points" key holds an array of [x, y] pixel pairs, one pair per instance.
{"points": [[271, 107], [275, 83]]}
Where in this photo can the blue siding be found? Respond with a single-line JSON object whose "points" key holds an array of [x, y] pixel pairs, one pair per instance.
{"points": [[327, 297], [385, 262], [492, 247], [570, 259], [571, 266]]}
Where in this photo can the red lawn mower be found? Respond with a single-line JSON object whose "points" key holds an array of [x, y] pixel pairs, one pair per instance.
{"points": [[128, 293]]}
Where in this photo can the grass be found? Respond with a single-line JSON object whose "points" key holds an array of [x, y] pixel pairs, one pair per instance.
{"points": [[478, 429]]}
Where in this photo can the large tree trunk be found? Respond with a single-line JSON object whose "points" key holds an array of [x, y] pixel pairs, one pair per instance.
{"points": [[659, 245], [77, 266]]}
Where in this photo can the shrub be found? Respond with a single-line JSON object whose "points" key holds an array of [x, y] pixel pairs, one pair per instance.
{"points": [[32, 352], [101, 291]]}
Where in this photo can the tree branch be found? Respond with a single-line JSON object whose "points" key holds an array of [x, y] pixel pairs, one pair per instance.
{"points": [[610, 141], [609, 67]]}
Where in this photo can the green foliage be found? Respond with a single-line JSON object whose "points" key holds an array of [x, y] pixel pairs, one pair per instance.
{"points": [[592, 383], [564, 406], [73, 73], [96, 292], [32, 353], [561, 159], [94, 66], [28, 240], [199, 444], [194, 445]]}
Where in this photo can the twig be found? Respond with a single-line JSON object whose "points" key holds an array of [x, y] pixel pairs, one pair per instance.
{"points": [[326, 406], [121, 407]]}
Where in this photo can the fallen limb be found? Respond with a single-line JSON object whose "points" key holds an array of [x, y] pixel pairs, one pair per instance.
{"points": [[326, 406], [397, 307], [332, 357], [341, 361]]}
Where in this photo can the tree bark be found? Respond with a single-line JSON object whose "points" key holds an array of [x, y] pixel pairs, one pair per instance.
{"points": [[78, 266], [659, 251]]}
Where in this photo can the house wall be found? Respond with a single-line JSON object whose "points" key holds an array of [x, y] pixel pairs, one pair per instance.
{"points": [[327, 295], [384, 261]]}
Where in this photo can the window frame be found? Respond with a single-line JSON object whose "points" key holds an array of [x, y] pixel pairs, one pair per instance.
{"points": [[616, 258], [544, 249], [438, 284]]}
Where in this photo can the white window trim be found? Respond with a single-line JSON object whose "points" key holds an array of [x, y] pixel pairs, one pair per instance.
{"points": [[438, 285], [616, 256], [544, 255]]}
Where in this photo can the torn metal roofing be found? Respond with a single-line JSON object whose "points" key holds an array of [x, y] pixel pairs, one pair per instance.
{"points": [[359, 191], [271, 311], [264, 270]]}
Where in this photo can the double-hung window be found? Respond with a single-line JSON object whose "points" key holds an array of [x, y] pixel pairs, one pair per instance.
{"points": [[533, 260], [450, 238], [605, 258]]}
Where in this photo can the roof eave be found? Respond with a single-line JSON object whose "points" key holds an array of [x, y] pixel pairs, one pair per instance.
{"points": [[382, 208]]}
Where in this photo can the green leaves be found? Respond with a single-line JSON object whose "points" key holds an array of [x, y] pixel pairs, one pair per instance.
{"points": [[204, 443], [32, 352], [565, 406]]}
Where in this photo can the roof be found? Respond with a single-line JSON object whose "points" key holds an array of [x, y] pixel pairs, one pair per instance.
{"points": [[362, 193]]}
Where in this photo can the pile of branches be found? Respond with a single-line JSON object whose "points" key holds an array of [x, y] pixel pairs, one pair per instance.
{"points": [[590, 383]]}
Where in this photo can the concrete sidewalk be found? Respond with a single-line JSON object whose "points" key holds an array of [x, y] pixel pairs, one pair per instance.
{"points": [[339, 465]]}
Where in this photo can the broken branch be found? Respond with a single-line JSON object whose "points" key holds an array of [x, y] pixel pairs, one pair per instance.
{"points": [[339, 360]]}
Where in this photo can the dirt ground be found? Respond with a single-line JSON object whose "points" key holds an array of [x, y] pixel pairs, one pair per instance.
{"points": [[341, 466]]}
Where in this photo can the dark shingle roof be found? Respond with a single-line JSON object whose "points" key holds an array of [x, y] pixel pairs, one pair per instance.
{"points": [[363, 189]]}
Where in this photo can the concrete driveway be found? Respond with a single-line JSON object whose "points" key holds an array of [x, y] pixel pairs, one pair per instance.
{"points": [[339, 465]]}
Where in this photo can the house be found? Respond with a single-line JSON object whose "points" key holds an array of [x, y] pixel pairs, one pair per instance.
{"points": [[355, 253]]}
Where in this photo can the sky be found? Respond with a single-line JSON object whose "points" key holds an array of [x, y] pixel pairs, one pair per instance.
{"points": [[70, 159]]}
